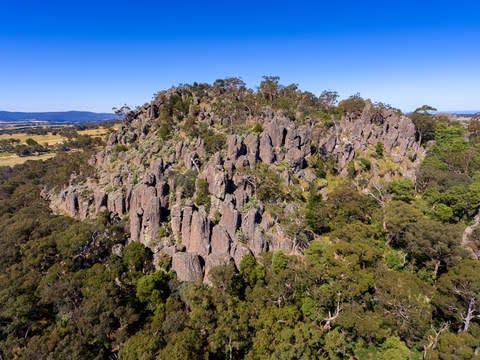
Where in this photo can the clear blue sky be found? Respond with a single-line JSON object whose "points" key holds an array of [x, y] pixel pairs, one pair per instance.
{"points": [[92, 55]]}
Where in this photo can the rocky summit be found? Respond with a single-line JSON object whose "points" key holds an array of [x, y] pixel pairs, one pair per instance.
{"points": [[209, 173]]}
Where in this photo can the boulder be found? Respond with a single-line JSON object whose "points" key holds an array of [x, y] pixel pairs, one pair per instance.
{"points": [[221, 240], [186, 224], [249, 221], [252, 144], [117, 249], [150, 222], [156, 168], [230, 219], [187, 266], [238, 252], [235, 147], [212, 261], [242, 161], [116, 202], [100, 200], [136, 224], [176, 220], [276, 129], [144, 213], [265, 149], [292, 140], [296, 158], [217, 181], [259, 243], [199, 241]]}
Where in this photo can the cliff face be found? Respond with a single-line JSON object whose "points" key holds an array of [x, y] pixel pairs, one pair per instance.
{"points": [[146, 180]]}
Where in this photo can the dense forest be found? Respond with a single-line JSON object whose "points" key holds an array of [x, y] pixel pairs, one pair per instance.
{"points": [[385, 274]]}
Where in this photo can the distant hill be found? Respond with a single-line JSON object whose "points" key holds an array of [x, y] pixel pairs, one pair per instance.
{"points": [[464, 113], [55, 117]]}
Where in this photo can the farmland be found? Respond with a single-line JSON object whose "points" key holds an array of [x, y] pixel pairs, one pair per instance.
{"points": [[38, 143], [9, 159]]}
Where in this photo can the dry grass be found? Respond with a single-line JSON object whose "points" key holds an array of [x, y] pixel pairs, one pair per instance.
{"points": [[47, 139], [50, 139], [97, 132], [8, 159]]}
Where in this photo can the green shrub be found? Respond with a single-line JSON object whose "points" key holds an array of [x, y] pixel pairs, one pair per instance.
{"points": [[202, 196], [325, 118], [241, 237], [266, 182], [31, 142], [119, 148], [187, 182], [315, 212], [396, 259], [163, 231], [137, 257], [365, 164], [443, 212], [164, 131], [402, 189], [153, 288], [379, 150], [216, 217], [212, 141], [322, 167], [353, 105], [351, 172], [279, 261], [257, 128]]}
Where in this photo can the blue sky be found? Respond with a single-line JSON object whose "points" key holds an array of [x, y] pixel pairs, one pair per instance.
{"points": [[93, 55]]}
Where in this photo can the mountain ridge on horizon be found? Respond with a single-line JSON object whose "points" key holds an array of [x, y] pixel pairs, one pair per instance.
{"points": [[55, 116]]}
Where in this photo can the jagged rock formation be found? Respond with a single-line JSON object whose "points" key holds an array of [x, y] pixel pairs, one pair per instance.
{"points": [[145, 179]]}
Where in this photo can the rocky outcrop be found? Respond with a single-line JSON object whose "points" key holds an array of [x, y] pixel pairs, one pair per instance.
{"points": [[144, 213], [144, 180]]}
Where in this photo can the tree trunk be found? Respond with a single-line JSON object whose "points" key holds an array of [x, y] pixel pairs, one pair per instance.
{"points": [[437, 267], [469, 316]]}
